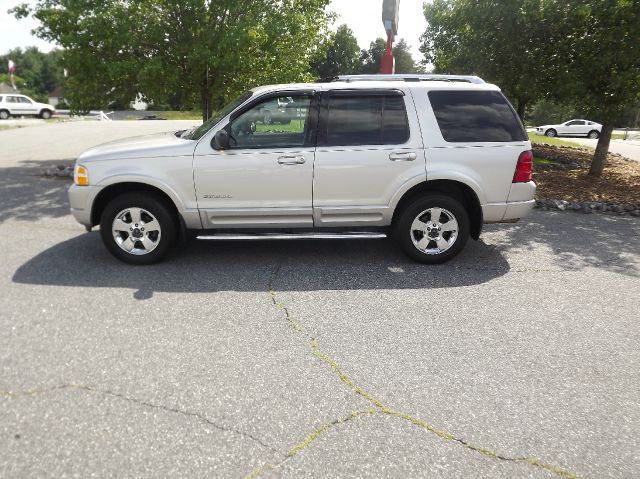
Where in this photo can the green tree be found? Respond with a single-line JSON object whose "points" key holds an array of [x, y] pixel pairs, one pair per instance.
{"points": [[201, 51], [574, 52], [340, 55], [371, 58], [597, 44], [504, 44], [404, 62], [39, 73]]}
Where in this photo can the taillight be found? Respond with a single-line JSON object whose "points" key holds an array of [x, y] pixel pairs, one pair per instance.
{"points": [[524, 168]]}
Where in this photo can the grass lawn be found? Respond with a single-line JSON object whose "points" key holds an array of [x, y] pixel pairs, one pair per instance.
{"points": [[295, 126], [541, 162], [9, 127], [541, 139], [180, 115]]}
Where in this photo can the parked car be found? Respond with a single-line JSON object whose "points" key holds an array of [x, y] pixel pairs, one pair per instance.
{"points": [[17, 105], [279, 110], [587, 128], [428, 159]]}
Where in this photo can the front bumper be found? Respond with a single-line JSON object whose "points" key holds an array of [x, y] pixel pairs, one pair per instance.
{"points": [[81, 200]]}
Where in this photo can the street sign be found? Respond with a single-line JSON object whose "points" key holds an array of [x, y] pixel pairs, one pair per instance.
{"points": [[390, 13]]}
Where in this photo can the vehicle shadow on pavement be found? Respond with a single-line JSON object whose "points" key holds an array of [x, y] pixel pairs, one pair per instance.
{"points": [[26, 195], [574, 241], [248, 266]]}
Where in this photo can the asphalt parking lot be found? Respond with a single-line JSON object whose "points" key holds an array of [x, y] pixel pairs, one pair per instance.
{"points": [[519, 358]]}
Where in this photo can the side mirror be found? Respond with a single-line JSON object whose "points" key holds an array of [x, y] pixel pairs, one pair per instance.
{"points": [[221, 140]]}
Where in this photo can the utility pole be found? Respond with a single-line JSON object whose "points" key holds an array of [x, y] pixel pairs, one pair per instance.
{"points": [[390, 12]]}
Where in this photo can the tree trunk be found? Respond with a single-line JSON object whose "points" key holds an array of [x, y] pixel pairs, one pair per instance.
{"points": [[205, 95], [600, 156], [522, 105]]}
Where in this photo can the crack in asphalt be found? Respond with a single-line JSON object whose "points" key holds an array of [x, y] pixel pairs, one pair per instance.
{"points": [[306, 442], [381, 407], [140, 402]]}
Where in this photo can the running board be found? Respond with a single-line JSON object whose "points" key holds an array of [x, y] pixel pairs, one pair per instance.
{"points": [[291, 236]]}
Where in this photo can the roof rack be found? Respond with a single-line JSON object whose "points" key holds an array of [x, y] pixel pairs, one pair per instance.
{"points": [[416, 77]]}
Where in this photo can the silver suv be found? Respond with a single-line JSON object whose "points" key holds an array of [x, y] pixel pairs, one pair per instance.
{"points": [[426, 158]]}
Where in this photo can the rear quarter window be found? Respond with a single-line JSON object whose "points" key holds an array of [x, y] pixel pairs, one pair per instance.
{"points": [[476, 116]]}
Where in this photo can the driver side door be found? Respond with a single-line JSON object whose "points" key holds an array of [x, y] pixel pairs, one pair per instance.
{"points": [[264, 179]]}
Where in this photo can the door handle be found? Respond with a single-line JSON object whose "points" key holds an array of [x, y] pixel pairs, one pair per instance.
{"points": [[403, 156], [291, 160]]}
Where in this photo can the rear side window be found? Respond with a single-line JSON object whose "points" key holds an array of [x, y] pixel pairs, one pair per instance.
{"points": [[366, 120], [476, 116]]}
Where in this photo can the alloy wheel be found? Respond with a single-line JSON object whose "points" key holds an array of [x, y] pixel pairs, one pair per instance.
{"points": [[136, 231], [434, 231]]}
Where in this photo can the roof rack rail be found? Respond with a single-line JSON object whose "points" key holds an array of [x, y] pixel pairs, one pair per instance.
{"points": [[414, 77]]}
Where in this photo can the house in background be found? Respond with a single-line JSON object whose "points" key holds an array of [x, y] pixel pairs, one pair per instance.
{"points": [[4, 89], [56, 96]]}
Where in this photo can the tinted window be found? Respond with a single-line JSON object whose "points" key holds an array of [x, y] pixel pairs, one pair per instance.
{"points": [[367, 120], [274, 123], [475, 116], [577, 122]]}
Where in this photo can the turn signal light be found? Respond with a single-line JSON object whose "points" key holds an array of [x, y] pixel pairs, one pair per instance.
{"points": [[524, 168], [81, 176]]}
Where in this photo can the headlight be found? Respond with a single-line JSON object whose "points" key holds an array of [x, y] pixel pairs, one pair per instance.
{"points": [[80, 176]]}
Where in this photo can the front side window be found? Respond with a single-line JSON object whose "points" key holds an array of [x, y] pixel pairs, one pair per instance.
{"points": [[24, 100], [278, 122], [199, 132], [575, 123], [366, 120], [475, 116]]}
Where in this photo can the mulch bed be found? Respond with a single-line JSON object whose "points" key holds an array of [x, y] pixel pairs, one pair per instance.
{"points": [[566, 177]]}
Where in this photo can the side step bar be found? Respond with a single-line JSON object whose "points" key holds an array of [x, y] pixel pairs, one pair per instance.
{"points": [[291, 236]]}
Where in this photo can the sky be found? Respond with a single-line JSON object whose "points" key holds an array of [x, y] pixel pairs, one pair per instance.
{"points": [[362, 16]]}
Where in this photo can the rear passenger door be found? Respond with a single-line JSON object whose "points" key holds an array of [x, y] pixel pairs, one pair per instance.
{"points": [[369, 146]]}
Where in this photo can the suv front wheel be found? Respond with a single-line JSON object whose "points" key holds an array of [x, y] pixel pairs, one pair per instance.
{"points": [[137, 229], [433, 229]]}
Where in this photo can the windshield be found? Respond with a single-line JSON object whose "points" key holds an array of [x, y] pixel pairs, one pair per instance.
{"points": [[197, 133]]}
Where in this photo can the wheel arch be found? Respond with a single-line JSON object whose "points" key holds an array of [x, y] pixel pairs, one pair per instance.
{"points": [[113, 190], [458, 190]]}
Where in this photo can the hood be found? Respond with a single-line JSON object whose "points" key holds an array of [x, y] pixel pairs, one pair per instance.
{"points": [[148, 146]]}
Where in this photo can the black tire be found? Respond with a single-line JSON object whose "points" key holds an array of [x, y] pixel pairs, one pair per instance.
{"points": [[153, 205], [45, 114], [594, 134], [551, 133], [4, 115], [404, 234]]}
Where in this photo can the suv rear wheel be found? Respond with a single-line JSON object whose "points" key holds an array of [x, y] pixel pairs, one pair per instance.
{"points": [[433, 229], [137, 229]]}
